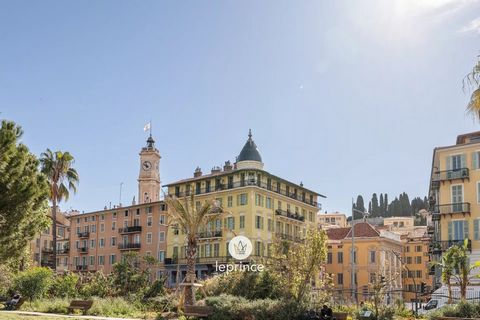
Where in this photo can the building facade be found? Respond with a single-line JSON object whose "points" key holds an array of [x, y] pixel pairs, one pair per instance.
{"points": [[377, 254], [256, 204], [332, 220], [455, 189], [99, 239]]}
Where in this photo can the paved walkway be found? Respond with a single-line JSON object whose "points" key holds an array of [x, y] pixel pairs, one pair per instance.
{"points": [[54, 315]]}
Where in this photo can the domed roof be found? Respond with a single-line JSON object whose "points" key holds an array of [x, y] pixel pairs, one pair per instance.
{"points": [[249, 151]]}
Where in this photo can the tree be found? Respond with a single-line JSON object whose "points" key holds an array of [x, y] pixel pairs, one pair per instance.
{"points": [[472, 81], [462, 267], [185, 215], [382, 205], [298, 263], [375, 208], [33, 283], [360, 206], [128, 277], [57, 167], [385, 203], [23, 195]]}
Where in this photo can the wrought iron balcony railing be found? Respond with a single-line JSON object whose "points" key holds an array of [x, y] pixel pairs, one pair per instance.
{"points": [[462, 173], [289, 214], [84, 234], [132, 229], [129, 246], [210, 234], [450, 208], [82, 249]]}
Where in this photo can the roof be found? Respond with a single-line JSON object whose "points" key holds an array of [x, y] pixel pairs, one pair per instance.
{"points": [[249, 151], [362, 230]]}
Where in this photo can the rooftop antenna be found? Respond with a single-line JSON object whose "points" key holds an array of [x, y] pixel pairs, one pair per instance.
{"points": [[120, 196]]}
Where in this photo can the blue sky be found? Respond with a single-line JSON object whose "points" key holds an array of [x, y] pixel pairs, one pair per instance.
{"points": [[348, 97]]}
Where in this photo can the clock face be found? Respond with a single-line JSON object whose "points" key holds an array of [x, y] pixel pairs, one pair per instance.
{"points": [[146, 165]]}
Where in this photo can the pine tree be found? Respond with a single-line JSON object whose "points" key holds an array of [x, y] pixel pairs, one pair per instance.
{"points": [[382, 205], [360, 206], [375, 208], [23, 194], [385, 203]]}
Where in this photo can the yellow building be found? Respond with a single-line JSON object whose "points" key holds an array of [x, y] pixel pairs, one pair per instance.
{"points": [[399, 223], [455, 186], [332, 220], [416, 265], [377, 254], [258, 205]]}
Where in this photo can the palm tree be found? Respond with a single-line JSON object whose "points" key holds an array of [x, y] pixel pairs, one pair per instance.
{"points": [[447, 264], [463, 268], [472, 80], [189, 217], [57, 167]]}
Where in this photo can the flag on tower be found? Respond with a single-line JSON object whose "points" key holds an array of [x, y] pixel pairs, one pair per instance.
{"points": [[146, 127]]}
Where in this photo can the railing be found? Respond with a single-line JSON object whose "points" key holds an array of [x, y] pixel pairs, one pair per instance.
{"points": [[210, 234], [63, 251], [208, 260], [461, 207], [288, 214], [81, 267], [84, 234], [284, 236], [82, 249], [48, 264], [47, 250], [440, 246], [132, 229], [129, 246], [462, 173], [246, 183]]}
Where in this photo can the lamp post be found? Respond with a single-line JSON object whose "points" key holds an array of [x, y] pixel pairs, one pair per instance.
{"points": [[353, 284]]}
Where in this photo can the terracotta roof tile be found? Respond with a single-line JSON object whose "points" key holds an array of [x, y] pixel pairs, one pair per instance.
{"points": [[362, 230]]}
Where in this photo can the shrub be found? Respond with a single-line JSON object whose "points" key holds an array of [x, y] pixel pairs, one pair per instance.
{"points": [[166, 303], [64, 286], [156, 289], [53, 305], [94, 285], [33, 283], [462, 309], [239, 308], [6, 281], [111, 307]]}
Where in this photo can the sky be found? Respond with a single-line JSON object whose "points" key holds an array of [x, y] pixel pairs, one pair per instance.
{"points": [[348, 97]]}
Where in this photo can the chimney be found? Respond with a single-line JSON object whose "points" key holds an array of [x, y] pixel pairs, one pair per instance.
{"points": [[228, 166], [197, 173], [216, 169]]}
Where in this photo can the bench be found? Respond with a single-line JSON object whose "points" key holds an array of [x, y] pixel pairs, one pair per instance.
{"points": [[16, 306], [83, 305], [197, 311], [340, 315]]}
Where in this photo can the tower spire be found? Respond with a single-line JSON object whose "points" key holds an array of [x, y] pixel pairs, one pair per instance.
{"points": [[250, 134]]}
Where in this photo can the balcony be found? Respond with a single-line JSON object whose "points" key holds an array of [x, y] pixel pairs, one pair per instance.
{"points": [[250, 182], [47, 250], [210, 234], [129, 246], [81, 267], [288, 237], [290, 215], [449, 175], [63, 251], [83, 234], [451, 208], [440, 246], [48, 264], [82, 249], [133, 229]]}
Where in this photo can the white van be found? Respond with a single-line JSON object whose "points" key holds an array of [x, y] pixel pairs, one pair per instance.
{"points": [[439, 297]]}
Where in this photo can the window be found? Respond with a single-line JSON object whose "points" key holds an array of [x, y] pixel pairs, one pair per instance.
{"points": [[113, 259], [102, 243], [258, 248], [242, 222], [340, 257], [258, 200], [149, 221], [311, 216], [475, 160], [418, 273], [102, 227], [161, 256], [161, 236], [230, 201], [242, 199], [418, 260], [279, 205], [92, 260], [457, 198], [456, 162], [92, 243], [270, 225], [258, 222], [149, 210], [162, 219], [373, 277], [126, 213], [268, 203], [175, 229], [340, 278], [476, 229], [409, 260], [149, 237], [219, 201], [418, 248], [457, 230], [113, 241], [329, 257], [216, 249], [230, 223], [94, 228], [114, 215], [114, 225], [372, 257]]}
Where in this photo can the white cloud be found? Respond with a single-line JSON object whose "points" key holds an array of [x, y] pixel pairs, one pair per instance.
{"points": [[474, 26]]}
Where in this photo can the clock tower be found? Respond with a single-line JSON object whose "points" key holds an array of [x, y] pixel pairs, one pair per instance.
{"points": [[149, 176]]}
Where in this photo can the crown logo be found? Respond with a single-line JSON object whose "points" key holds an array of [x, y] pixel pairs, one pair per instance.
{"points": [[240, 248]]}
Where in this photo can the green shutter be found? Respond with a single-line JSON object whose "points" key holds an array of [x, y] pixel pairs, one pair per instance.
{"points": [[476, 229], [449, 163], [465, 229], [463, 161], [475, 160], [450, 231]]}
